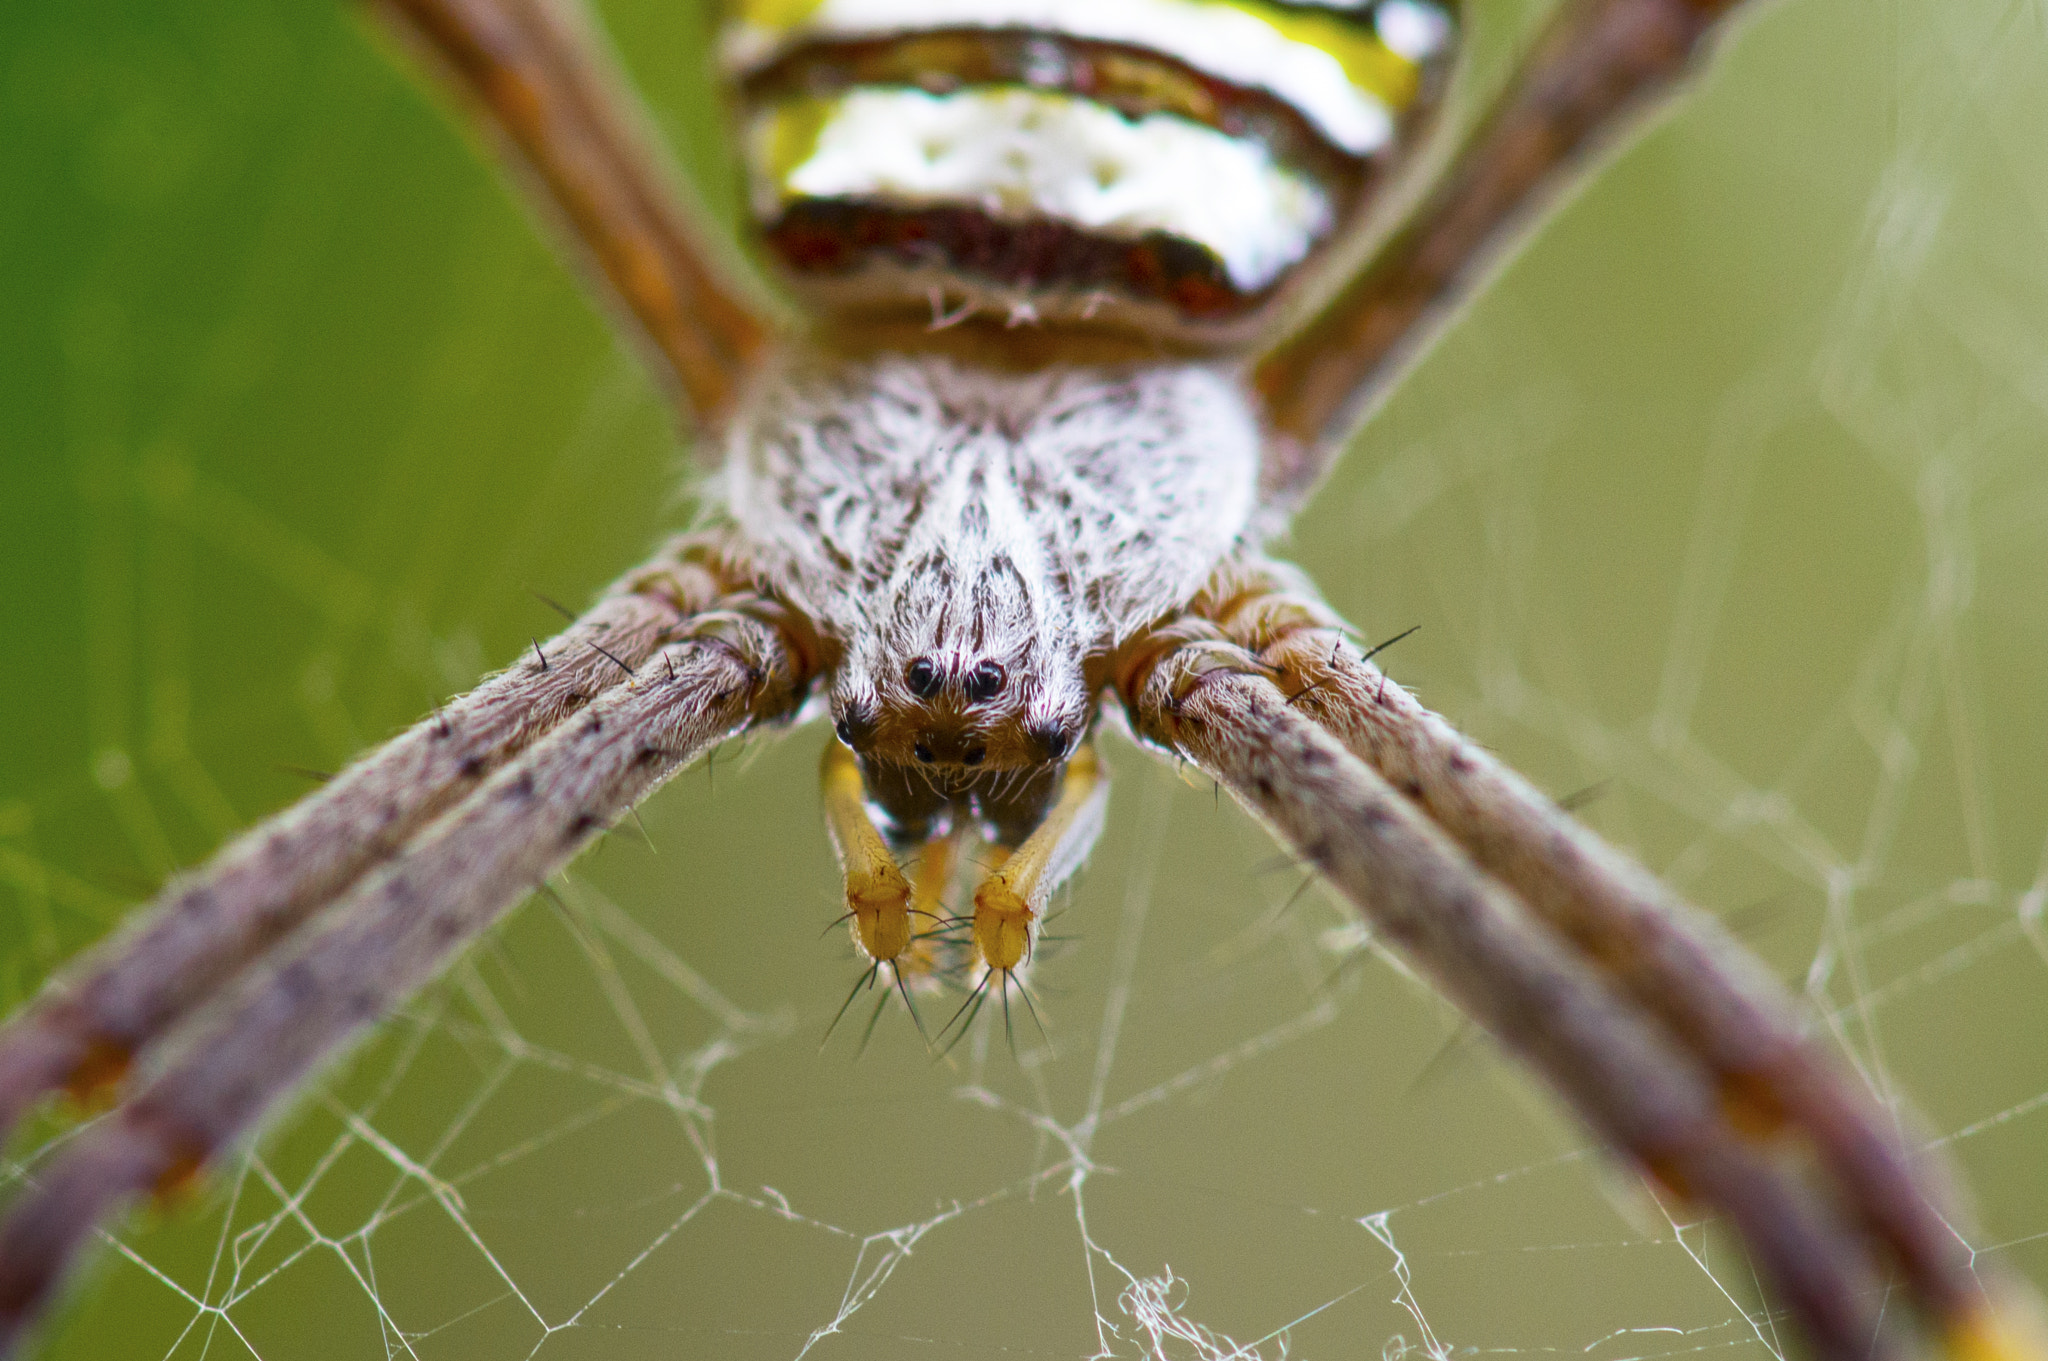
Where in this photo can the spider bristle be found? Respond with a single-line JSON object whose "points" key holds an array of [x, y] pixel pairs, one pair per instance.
{"points": [[840, 1014], [1454, 1050], [557, 606], [873, 1019], [970, 1008], [1032, 1007], [903, 991], [1580, 798], [1009, 1034], [1382, 647]]}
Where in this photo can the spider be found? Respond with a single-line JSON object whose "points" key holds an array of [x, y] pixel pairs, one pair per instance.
{"points": [[1647, 1022]]}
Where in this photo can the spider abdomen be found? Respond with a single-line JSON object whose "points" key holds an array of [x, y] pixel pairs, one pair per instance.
{"points": [[1160, 165]]}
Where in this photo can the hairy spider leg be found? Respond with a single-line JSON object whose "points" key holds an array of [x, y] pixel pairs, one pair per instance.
{"points": [[1424, 897], [89, 1025], [1679, 964], [391, 933]]}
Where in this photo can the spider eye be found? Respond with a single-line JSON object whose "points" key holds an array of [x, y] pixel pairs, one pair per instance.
{"points": [[923, 678], [985, 682], [855, 725], [1051, 740]]}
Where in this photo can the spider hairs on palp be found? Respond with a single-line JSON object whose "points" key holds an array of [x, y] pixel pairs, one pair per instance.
{"points": [[1021, 464]]}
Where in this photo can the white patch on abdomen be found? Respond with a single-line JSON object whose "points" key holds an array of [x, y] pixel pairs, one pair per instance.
{"points": [[1023, 153]]}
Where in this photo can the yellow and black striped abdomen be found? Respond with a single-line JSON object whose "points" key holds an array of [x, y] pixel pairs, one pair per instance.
{"points": [[1159, 164]]}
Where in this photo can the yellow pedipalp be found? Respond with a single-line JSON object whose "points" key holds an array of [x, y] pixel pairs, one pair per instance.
{"points": [[878, 896], [1009, 901], [2008, 1327], [935, 867]]}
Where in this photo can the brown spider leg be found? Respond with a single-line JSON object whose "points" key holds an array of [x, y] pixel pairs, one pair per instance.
{"points": [[1598, 64], [1208, 702], [1666, 956], [88, 1026], [535, 73], [397, 929]]}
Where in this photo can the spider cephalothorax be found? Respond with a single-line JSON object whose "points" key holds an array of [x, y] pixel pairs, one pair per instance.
{"points": [[975, 542]]}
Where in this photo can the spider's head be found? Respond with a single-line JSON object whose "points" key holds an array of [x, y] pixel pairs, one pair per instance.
{"points": [[953, 732], [954, 716]]}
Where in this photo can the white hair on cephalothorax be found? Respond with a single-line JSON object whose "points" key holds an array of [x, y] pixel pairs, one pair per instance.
{"points": [[919, 507]]}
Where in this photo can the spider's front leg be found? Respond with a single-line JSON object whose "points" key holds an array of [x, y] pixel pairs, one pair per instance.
{"points": [[90, 1024], [749, 661], [1668, 957], [1213, 704], [1663, 1036]]}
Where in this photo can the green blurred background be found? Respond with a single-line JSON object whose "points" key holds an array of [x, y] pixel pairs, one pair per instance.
{"points": [[1729, 501]]}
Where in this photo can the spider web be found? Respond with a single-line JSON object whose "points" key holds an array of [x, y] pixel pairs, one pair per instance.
{"points": [[1726, 511]]}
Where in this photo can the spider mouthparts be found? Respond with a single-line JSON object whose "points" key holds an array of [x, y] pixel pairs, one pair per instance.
{"points": [[938, 746]]}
